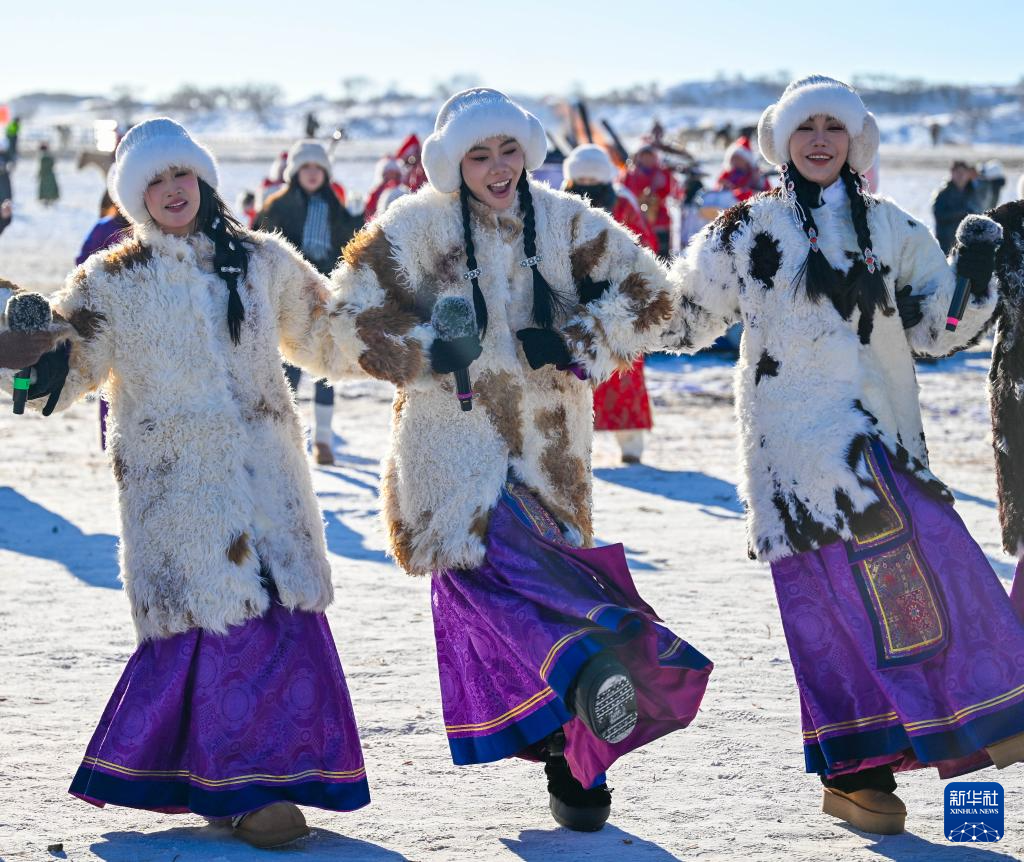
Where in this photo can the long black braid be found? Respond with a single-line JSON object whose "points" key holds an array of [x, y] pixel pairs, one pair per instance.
{"points": [[862, 287], [479, 305], [547, 302], [865, 275], [230, 254], [821, 279]]}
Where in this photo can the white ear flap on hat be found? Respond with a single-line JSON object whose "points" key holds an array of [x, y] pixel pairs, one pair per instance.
{"points": [[444, 174], [864, 146], [536, 148], [766, 136]]}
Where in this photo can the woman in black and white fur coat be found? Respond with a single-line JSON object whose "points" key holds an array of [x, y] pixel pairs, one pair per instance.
{"points": [[222, 553], [544, 647], [884, 596]]}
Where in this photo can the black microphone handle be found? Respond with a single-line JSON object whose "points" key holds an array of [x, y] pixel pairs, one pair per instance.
{"points": [[463, 389], [959, 304], [21, 384]]}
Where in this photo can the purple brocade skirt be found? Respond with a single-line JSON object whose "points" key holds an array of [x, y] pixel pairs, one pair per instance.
{"points": [[219, 725], [513, 634], [906, 648]]}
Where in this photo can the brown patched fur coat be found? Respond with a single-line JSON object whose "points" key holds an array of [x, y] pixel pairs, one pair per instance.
{"points": [[445, 467]]}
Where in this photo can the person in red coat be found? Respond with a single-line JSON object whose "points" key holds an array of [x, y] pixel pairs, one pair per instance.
{"points": [[388, 175], [621, 404], [653, 185], [741, 173]]}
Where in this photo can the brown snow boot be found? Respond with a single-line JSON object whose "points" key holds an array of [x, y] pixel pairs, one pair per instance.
{"points": [[277, 824], [868, 809], [1007, 751], [323, 454]]}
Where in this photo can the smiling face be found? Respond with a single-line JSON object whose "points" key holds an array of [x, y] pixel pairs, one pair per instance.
{"points": [[491, 170], [172, 199], [818, 149]]}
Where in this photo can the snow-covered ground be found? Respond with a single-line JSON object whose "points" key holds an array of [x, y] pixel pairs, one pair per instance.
{"points": [[731, 787]]}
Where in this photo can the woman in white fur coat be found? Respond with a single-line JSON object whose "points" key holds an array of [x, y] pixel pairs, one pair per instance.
{"points": [[234, 700], [545, 649], [885, 598]]}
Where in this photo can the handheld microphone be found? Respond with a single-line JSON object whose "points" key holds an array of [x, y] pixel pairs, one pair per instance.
{"points": [[974, 229], [26, 312], [454, 320]]}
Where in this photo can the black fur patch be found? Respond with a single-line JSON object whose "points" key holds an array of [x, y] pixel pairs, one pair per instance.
{"points": [[731, 221], [767, 366], [765, 259], [590, 290]]}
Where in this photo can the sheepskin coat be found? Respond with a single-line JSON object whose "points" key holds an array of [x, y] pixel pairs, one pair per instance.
{"points": [[206, 445], [445, 468], [810, 392], [1006, 377]]}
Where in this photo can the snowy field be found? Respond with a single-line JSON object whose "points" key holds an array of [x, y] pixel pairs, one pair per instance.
{"points": [[731, 787]]}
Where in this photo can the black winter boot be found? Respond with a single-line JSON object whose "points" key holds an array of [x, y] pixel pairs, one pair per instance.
{"points": [[571, 804], [604, 698]]}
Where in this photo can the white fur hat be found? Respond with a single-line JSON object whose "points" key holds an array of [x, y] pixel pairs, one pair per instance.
{"points": [[473, 116], [808, 97], [740, 147], [388, 163], [147, 150], [306, 152], [590, 162]]}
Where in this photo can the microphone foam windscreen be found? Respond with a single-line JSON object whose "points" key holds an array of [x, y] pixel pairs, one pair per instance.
{"points": [[27, 312], [979, 229], [453, 317]]}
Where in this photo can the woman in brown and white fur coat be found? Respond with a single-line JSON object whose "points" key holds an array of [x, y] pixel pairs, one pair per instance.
{"points": [[886, 601], [544, 646], [222, 554]]}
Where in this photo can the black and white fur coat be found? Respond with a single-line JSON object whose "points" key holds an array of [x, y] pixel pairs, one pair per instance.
{"points": [[206, 445], [445, 468], [1006, 377], [809, 393]]}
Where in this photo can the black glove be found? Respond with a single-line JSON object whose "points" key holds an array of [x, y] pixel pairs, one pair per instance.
{"points": [[909, 307], [449, 356], [51, 372], [977, 262], [544, 347]]}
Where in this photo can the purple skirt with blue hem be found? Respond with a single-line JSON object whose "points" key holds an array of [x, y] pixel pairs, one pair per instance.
{"points": [[907, 649], [513, 634], [219, 725]]}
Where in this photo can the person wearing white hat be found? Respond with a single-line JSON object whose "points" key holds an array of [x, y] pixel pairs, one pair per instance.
{"points": [[387, 174], [223, 556], [621, 405], [545, 649], [888, 604], [309, 215]]}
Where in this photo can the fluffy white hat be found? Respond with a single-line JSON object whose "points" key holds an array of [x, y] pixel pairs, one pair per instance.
{"points": [[470, 117], [808, 97], [589, 161], [147, 150], [306, 152]]}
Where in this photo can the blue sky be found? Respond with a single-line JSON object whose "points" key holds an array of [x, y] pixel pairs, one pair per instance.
{"points": [[527, 46]]}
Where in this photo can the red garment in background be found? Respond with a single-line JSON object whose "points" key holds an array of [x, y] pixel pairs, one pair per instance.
{"points": [[652, 189], [744, 184], [627, 213], [373, 201], [621, 402]]}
